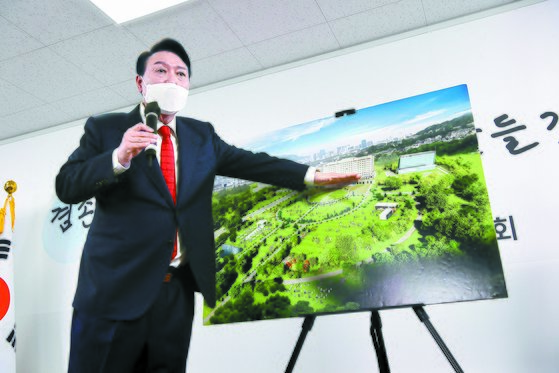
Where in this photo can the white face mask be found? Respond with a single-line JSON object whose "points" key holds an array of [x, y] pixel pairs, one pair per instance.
{"points": [[170, 97]]}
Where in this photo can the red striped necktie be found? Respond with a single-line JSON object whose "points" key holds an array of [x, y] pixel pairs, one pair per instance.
{"points": [[167, 162]]}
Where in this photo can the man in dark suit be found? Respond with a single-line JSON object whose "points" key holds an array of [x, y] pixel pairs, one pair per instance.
{"points": [[134, 302]]}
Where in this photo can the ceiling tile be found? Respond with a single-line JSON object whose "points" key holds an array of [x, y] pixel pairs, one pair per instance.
{"points": [[225, 39], [34, 119], [54, 20], [379, 22], [295, 46], [441, 10], [334, 9], [13, 99], [46, 75], [224, 66], [108, 54], [90, 103], [14, 41], [195, 24], [256, 20]]}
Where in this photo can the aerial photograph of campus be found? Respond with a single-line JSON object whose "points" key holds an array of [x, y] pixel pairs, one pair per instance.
{"points": [[416, 229]]}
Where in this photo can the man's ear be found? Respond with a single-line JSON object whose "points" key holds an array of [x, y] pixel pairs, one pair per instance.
{"points": [[139, 81]]}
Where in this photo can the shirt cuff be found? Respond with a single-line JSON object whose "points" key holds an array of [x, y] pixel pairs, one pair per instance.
{"points": [[309, 176], [117, 167]]}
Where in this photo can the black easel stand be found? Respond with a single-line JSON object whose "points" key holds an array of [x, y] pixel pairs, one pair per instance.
{"points": [[306, 328], [424, 318], [378, 342]]}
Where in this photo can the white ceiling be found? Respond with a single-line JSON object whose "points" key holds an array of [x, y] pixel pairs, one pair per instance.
{"points": [[64, 60]]}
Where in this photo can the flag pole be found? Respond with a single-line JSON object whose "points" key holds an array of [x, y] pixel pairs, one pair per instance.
{"points": [[7, 310], [10, 187]]}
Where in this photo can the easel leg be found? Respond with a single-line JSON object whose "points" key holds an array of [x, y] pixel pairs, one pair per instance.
{"points": [[378, 342], [306, 328], [424, 318]]}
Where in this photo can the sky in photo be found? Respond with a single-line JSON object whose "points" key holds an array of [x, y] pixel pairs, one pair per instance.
{"points": [[376, 123]]}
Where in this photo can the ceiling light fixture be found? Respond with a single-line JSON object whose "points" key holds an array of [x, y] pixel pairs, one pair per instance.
{"points": [[122, 11]]}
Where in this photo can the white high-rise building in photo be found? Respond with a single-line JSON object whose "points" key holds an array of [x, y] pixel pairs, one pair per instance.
{"points": [[365, 166]]}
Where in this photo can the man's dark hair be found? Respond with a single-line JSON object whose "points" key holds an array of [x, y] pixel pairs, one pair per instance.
{"points": [[168, 45]]}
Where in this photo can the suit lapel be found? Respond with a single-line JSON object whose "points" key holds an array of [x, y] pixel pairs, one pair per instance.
{"points": [[153, 172], [188, 151]]}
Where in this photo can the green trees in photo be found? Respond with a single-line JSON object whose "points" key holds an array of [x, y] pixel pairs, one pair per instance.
{"points": [[393, 183], [229, 205], [403, 219], [276, 287], [242, 308], [262, 288], [302, 307], [234, 221], [435, 192], [462, 183], [465, 219], [246, 261], [233, 236], [440, 245], [276, 306], [227, 276], [467, 184], [222, 238], [379, 231]]}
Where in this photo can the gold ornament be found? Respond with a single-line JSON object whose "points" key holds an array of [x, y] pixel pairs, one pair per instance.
{"points": [[10, 187]]}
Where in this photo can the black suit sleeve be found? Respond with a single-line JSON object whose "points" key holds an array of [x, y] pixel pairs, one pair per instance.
{"points": [[88, 170], [261, 167]]}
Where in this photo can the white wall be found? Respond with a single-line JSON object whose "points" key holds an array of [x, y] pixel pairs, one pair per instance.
{"points": [[510, 63]]}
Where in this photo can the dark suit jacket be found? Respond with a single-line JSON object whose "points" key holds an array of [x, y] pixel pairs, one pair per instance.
{"points": [[130, 240]]}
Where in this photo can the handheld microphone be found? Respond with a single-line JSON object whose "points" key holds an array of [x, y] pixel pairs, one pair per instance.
{"points": [[152, 116]]}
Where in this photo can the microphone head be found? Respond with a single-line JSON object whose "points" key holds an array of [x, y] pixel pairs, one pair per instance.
{"points": [[153, 108]]}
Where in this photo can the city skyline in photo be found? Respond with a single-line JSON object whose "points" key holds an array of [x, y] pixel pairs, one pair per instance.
{"points": [[375, 124]]}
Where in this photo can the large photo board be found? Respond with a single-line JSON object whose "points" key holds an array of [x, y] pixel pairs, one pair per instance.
{"points": [[416, 229]]}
